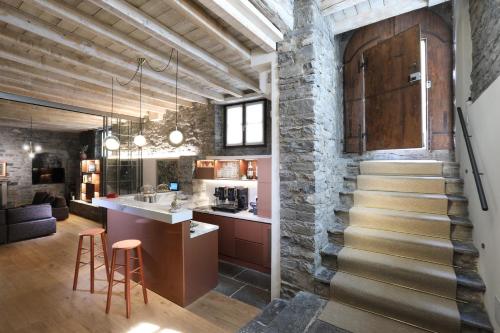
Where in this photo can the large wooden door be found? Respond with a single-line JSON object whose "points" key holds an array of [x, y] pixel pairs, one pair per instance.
{"points": [[393, 103]]}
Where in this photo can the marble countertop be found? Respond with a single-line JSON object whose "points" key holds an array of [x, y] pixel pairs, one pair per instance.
{"points": [[202, 228], [157, 211], [243, 215]]}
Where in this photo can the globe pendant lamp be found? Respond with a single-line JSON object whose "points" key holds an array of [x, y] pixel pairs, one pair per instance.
{"points": [[111, 142], [140, 140], [176, 137], [28, 147]]}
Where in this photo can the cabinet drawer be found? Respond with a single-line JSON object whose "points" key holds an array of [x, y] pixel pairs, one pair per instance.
{"points": [[249, 251], [249, 231]]}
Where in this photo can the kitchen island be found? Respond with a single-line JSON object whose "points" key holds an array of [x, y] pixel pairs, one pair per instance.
{"points": [[180, 262]]}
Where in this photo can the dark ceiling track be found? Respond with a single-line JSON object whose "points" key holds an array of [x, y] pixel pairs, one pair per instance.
{"points": [[58, 106], [475, 170]]}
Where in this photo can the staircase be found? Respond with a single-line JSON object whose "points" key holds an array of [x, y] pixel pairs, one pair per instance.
{"points": [[401, 258]]}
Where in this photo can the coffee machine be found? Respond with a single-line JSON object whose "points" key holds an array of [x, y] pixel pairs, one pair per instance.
{"points": [[231, 199]]}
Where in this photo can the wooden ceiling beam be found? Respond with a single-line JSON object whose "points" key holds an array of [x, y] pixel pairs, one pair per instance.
{"points": [[11, 68], [377, 14], [58, 106], [20, 19], [154, 28], [334, 6], [64, 94], [196, 15], [69, 13], [244, 17], [27, 58]]}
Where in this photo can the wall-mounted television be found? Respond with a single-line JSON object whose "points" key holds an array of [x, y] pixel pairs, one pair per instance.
{"points": [[47, 175]]}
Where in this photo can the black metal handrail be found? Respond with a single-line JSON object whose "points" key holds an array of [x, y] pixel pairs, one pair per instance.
{"points": [[475, 170]]}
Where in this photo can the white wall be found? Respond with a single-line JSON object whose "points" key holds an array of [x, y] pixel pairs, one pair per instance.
{"points": [[483, 118]]}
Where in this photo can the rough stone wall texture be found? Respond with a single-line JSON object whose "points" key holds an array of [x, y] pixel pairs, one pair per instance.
{"points": [[310, 143], [220, 150], [485, 29], [197, 125], [64, 146]]}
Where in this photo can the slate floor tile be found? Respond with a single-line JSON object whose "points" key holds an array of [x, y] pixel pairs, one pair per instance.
{"points": [[253, 296], [229, 269], [228, 286], [255, 278]]}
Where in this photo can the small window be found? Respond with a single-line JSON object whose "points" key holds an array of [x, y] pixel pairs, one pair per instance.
{"points": [[245, 124]]}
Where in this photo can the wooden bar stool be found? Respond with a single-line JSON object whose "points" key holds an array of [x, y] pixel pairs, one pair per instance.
{"points": [[127, 246], [91, 233]]}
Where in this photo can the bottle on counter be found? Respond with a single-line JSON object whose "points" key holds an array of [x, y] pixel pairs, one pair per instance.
{"points": [[250, 171]]}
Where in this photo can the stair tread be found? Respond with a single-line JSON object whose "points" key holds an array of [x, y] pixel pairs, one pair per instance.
{"points": [[402, 167], [474, 316], [470, 279], [405, 272], [465, 248], [406, 194], [426, 310], [298, 314], [324, 275]]}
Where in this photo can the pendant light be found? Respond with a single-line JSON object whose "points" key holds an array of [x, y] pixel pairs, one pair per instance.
{"points": [[140, 140], [111, 142], [176, 137], [29, 147]]}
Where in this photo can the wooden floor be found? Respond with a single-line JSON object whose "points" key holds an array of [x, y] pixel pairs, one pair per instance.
{"points": [[36, 295]]}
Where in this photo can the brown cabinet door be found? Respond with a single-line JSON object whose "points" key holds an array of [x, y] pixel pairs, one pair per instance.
{"points": [[226, 237], [249, 251], [249, 231], [266, 234], [393, 104]]}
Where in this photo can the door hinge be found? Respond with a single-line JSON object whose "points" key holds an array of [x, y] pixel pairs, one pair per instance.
{"points": [[428, 84]]}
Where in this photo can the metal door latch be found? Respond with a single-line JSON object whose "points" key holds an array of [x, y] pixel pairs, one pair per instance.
{"points": [[414, 77]]}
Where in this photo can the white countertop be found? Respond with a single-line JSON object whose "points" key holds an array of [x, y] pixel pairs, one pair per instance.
{"points": [[243, 215], [156, 211], [202, 228]]}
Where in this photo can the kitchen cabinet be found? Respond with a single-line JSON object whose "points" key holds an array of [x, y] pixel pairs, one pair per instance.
{"points": [[246, 243], [264, 205]]}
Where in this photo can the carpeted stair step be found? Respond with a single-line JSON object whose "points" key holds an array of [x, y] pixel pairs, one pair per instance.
{"points": [[402, 167], [436, 250], [427, 311], [411, 184], [270, 312], [298, 315], [415, 274], [412, 202], [461, 227], [433, 225], [453, 186]]}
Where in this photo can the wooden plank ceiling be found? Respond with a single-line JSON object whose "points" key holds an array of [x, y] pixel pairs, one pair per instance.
{"points": [[352, 14], [67, 51]]}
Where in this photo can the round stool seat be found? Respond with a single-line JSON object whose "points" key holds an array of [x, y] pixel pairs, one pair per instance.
{"points": [[127, 244], [92, 232]]}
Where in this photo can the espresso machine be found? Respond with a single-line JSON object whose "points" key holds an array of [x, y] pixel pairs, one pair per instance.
{"points": [[231, 199]]}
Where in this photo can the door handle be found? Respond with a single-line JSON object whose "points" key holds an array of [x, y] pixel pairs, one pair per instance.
{"points": [[417, 76]]}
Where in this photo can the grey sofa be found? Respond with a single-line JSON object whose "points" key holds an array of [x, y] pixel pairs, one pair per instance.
{"points": [[29, 222], [60, 209]]}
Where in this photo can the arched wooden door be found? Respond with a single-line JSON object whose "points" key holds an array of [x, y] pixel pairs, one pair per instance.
{"points": [[365, 115]]}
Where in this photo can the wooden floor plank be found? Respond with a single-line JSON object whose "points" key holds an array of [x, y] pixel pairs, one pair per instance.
{"points": [[36, 295]]}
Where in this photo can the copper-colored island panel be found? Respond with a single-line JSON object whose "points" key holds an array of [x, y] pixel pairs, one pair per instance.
{"points": [[177, 267]]}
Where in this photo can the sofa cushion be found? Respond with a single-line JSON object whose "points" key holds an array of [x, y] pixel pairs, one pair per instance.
{"points": [[40, 197], [50, 199], [28, 213], [59, 202], [37, 228]]}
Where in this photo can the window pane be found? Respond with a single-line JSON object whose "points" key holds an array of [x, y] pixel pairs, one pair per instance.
{"points": [[254, 118], [234, 125]]}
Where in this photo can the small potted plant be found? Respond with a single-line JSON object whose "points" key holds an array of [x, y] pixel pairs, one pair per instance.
{"points": [[83, 152]]}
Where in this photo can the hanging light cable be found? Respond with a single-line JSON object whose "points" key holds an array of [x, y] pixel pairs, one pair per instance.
{"points": [[176, 137], [29, 147], [111, 142], [140, 140]]}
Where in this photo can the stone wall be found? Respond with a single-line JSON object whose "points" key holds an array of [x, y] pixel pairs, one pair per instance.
{"points": [[310, 143], [64, 146], [197, 125], [485, 29], [220, 150]]}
